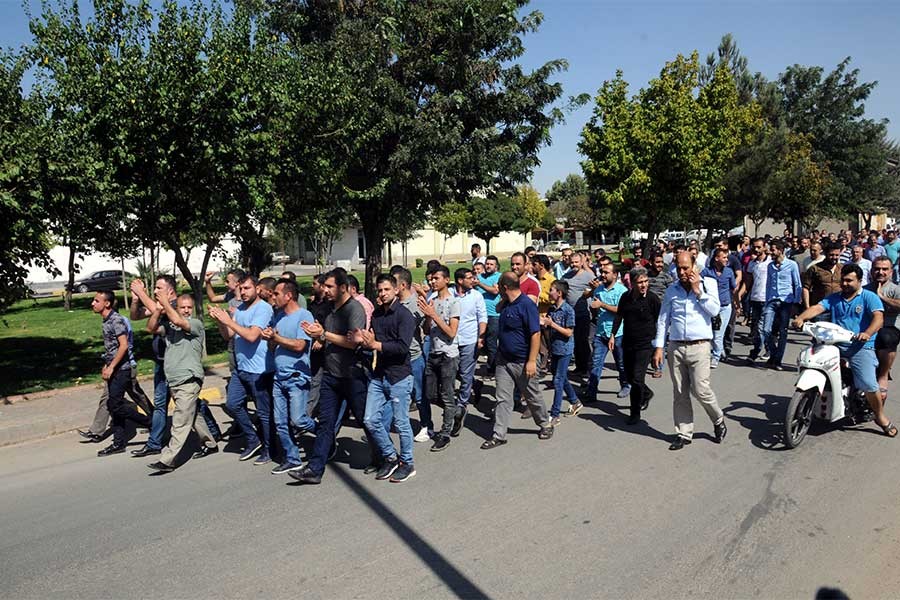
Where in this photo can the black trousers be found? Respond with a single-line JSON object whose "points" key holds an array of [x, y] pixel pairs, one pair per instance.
{"points": [[121, 410], [636, 360], [582, 336]]}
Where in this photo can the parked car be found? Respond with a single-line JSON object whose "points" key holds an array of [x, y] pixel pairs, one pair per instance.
{"points": [[556, 246], [280, 257], [100, 280]]}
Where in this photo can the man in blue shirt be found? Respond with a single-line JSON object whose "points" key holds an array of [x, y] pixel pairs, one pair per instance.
{"points": [[253, 376], [290, 346], [686, 315], [606, 302], [862, 312], [560, 322], [519, 341], [783, 291], [487, 284], [727, 283], [469, 337]]}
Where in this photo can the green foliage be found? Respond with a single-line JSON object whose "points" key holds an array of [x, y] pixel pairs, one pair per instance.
{"points": [[532, 212], [450, 219], [491, 215]]}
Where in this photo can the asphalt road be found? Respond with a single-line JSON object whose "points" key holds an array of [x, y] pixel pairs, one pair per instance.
{"points": [[599, 511]]}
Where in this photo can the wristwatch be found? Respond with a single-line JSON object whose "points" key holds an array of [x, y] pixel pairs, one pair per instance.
{"points": [[322, 337]]}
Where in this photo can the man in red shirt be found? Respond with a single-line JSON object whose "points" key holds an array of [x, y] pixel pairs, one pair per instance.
{"points": [[528, 283]]}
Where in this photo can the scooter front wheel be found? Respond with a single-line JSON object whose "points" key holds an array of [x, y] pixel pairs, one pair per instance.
{"points": [[798, 416]]}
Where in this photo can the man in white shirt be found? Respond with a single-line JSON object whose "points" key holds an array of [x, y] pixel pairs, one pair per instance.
{"points": [[755, 283], [686, 315], [476, 255], [864, 263]]}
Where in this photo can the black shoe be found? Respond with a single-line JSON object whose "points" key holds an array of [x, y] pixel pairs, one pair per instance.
{"points": [[161, 466], [721, 430], [305, 475], [679, 443], [111, 449], [88, 435], [286, 467], [459, 420], [545, 433], [440, 443], [492, 443], [373, 467], [777, 367], [145, 450], [403, 472], [647, 399], [633, 421], [387, 469], [205, 451]]}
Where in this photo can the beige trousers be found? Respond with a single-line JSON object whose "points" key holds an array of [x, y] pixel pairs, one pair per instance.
{"points": [[689, 368], [184, 418]]}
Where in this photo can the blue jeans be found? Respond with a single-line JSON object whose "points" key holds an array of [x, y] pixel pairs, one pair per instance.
{"points": [[256, 386], [776, 316], [333, 392], [600, 351], [289, 403], [468, 357], [418, 391], [382, 395], [160, 408], [559, 366], [863, 365], [756, 324], [718, 340]]}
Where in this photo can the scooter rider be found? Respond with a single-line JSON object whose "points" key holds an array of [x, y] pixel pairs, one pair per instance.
{"points": [[862, 312]]}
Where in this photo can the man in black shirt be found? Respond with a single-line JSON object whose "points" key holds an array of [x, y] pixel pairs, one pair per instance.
{"points": [[343, 377], [320, 307]]}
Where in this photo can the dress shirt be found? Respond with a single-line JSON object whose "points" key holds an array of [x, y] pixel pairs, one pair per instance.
{"points": [[688, 317], [472, 311], [783, 282], [559, 269], [394, 327]]}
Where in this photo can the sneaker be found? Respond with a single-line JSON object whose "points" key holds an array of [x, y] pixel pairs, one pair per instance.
{"points": [[262, 459], [713, 363], [286, 467], [305, 475], [403, 472], [422, 436], [624, 392], [574, 409], [387, 469], [440, 443], [554, 421], [764, 355], [459, 420], [250, 452]]}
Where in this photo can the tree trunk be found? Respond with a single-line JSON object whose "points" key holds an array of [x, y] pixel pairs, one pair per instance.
{"points": [[373, 232], [67, 300], [196, 284]]}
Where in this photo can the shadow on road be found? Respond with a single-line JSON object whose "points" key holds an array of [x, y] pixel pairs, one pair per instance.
{"points": [[612, 418], [460, 585], [767, 431]]}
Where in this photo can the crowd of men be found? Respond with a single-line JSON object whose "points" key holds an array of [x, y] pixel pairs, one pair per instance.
{"points": [[304, 362]]}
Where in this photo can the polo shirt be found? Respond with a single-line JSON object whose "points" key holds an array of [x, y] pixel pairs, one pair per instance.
{"points": [[490, 300], [251, 356], [519, 320], [726, 283], [564, 316], [605, 318], [290, 364], [854, 314], [393, 326]]}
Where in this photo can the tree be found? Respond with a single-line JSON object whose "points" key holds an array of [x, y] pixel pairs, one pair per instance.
{"points": [[532, 212], [24, 240], [438, 109], [450, 219], [658, 159], [489, 216]]}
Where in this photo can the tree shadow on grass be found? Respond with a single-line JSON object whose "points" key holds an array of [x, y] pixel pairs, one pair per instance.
{"points": [[30, 364]]}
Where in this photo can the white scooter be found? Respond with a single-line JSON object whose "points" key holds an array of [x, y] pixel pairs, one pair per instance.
{"points": [[824, 388]]}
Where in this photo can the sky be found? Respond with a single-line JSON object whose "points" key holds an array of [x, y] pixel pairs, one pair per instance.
{"points": [[598, 37]]}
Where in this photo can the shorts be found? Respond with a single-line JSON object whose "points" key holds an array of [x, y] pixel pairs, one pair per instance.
{"points": [[888, 338], [863, 364]]}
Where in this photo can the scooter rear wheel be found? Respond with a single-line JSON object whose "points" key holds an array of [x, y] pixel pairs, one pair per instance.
{"points": [[798, 416]]}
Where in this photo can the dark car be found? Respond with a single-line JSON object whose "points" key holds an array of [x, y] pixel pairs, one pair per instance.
{"points": [[100, 280]]}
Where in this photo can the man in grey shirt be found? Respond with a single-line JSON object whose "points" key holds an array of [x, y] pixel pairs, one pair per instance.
{"points": [[579, 279], [888, 336]]}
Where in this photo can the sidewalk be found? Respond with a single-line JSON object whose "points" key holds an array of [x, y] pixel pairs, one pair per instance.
{"points": [[73, 408]]}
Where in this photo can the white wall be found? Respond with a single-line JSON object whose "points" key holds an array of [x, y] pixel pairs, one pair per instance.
{"points": [[430, 244], [97, 261]]}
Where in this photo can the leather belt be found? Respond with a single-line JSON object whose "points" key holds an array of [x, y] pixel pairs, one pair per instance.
{"points": [[688, 342]]}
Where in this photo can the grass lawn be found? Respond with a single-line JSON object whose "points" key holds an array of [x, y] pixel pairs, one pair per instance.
{"points": [[42, 346]]}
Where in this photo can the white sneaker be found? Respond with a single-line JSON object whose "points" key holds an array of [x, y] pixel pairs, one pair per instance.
{"points": [[422, 436]]}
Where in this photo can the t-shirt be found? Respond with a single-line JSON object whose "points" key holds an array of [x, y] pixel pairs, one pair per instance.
{"points": [[184, 351], [447, 308], [659, 283], [866, 266], [726, 282], [893, 251], [115, 325], [854, 314], [544, 302], [605, 317], [578, 282], [412, 305], [519, 320], [490, 300], [530, 286], [889, 290], [564, 316], [760, 272], [251, 356], [342, 362], [290, 364]]}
